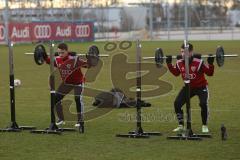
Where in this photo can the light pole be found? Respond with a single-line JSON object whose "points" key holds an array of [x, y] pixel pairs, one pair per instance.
{"points": [[151, 20], [5, 18]]}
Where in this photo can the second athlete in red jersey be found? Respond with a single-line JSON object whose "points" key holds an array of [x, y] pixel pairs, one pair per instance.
{"points": [[70, 68], [197, 69]]}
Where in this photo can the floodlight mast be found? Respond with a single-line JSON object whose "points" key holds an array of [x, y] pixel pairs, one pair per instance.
{"points": [[187, 79], [13, 126], [151, 20], [188, 133], [6, 22], [186, 19]]}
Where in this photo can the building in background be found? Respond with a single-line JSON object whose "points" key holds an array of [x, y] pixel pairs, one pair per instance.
{"points": [[234, 17], [118, 17]]}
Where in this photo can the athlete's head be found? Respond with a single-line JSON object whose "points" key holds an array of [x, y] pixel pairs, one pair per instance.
{"points": [[190, 49], [62, 50]]}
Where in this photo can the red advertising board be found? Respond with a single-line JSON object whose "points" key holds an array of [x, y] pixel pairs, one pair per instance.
{"points": [[36, 31], [19, 32]]}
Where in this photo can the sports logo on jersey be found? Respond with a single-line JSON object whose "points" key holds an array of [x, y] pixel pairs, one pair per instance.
{"points": [[68, 66], [193, 68], [183, 69], [191, 76]]}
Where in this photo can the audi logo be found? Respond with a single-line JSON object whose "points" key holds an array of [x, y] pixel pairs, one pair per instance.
{"points": [[191, 76], [82, 30], [1, 32], [42, 31]]}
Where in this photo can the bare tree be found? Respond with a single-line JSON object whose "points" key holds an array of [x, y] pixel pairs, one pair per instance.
{"points": [[126, 21], [175, 12], [236, 4]]}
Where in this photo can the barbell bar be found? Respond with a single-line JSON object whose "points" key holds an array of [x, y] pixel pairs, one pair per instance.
{"points": [[220, 55], [78, 54], [203, 56], [93, 55]]}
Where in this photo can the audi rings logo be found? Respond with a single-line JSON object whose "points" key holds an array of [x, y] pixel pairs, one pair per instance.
{"points": [[42, 31], [1, 32], [82, 31]]}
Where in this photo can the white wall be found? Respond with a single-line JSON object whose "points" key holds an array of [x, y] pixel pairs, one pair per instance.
{"points": [[234, 16]]}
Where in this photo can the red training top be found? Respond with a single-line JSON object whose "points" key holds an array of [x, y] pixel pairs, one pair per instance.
{"points": [[197, 68], [70, 68]]}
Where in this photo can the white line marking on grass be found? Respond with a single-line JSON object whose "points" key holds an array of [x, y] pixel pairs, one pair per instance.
{"points": [[214, 110], [230, 70]]}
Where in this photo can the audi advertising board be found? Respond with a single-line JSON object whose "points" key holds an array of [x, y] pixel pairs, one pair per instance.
{"points": [[45, 31]]}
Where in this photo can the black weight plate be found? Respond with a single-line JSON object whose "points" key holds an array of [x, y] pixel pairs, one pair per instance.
{"points": [[220, 56], [159, 57], [39, 54], [93, 55]]}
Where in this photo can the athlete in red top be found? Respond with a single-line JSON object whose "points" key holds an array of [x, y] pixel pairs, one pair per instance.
{"points": [[69, 67], [198, 84]]}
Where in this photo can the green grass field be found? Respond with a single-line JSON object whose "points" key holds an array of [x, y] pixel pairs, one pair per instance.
{"points": [[99, 141]]}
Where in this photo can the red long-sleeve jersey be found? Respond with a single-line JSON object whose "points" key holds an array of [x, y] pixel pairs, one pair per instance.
{"points": [[70, 68], [197, 71]]}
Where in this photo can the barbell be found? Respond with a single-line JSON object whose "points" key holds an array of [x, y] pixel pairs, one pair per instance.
{"points": [[220, 56], [92, 55]]}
